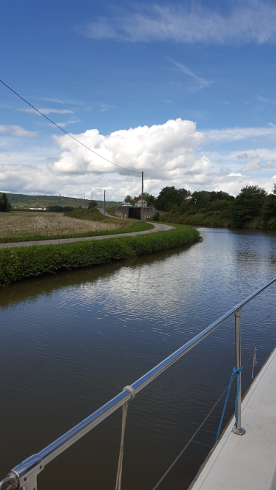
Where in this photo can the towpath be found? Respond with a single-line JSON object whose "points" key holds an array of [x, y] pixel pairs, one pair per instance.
{"points": [[157, 227]]}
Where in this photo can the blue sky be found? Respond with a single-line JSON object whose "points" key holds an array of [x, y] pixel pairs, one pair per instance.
{"points": [[183, 91]]}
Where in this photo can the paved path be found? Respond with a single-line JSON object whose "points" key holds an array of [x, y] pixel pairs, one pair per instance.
{"points": [[157, 227], [108, 215]]}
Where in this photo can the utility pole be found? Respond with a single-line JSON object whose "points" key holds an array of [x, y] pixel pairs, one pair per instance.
{"points": [[142, 212], [104, 202]]}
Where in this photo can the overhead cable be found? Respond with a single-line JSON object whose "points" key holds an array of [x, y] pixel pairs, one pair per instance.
{"points": [[68, 134]]}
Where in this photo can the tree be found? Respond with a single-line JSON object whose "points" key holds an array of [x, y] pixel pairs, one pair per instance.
{"points": [[129, 199], [169, 196], [269, 206], [200, 199], [221, 196], [5, 206], [92, 204], [247, 205], [151, 200]]}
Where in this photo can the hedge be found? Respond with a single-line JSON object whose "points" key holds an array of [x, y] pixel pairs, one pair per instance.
{"points": [[23, 262]]}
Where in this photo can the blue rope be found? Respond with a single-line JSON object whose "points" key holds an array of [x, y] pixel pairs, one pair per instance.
{"points": [[234, 373]]}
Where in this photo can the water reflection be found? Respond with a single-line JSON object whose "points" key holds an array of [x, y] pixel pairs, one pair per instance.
{"points": [[71, 341]]}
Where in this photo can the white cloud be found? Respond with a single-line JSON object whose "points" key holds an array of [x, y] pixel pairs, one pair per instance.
{"points": [[201, 82], [232, 134], [164, 150], [268, 164], [242, 156], [44, 110], [253, 164], [247, 21], [63, 124], [17, 131], [169, 154], [57, 101], [266, 100], [100, 29]]}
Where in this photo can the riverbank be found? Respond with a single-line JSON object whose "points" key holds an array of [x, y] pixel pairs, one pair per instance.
{"points": [[22, 262], [217, 219]]}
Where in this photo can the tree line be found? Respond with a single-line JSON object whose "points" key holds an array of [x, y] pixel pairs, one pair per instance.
{"points": [[252, 204]]}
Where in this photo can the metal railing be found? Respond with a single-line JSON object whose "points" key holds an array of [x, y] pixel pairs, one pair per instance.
{"points": [[24, 475]]}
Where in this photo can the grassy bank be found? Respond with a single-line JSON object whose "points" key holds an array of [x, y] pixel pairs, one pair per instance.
{"points": [[19, 263]]}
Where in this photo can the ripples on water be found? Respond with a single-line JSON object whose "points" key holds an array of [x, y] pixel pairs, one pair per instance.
{"points": [[72, 341]]}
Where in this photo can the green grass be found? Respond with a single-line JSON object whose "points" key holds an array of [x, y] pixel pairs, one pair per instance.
{"points": [[110, 211], [23, 262]]}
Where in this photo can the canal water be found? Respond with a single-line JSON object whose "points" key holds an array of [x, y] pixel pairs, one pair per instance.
{"points": [[72, 341]]}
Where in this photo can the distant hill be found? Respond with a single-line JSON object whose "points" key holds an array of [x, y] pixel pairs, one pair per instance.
{"points": [[40, 201]]}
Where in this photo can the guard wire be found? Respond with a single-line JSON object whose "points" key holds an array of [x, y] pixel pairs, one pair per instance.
{"points": [[121, 453], [193, 436], [206, 418]]}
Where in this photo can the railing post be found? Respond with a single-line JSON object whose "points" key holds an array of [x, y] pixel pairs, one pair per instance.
{"points": [[237, 429]]}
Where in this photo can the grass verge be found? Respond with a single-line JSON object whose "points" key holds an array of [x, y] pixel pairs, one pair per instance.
{"points": [[23, 262]]}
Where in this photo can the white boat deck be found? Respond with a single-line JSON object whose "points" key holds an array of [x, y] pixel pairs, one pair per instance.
{"points": [[247, 462]]}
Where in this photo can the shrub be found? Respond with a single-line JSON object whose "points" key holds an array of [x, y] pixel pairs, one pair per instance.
{"points": [[21, 262], [156, 216]]}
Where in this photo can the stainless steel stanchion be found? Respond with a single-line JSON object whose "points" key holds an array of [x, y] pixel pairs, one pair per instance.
{"points": [[237, 429]]}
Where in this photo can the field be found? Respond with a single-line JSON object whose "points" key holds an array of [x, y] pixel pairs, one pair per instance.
{"points": [[18, 226], [23, 224]]}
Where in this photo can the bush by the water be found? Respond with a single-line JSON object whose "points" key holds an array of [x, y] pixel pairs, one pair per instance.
{"points": [[252, 208], [22, 262]]}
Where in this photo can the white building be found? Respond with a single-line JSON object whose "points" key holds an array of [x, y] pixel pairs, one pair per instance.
{"points": [[138, 204], [188, 198]]}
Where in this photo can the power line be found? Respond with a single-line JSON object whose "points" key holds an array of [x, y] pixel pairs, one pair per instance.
{"points": [[68, 134]]}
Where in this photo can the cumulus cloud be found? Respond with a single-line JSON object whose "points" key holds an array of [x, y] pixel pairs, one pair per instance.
{"points": [[253, 164], [242, 156], [169, 154], [164, 150], [45, 110], [17, 131], [243, 24]]}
